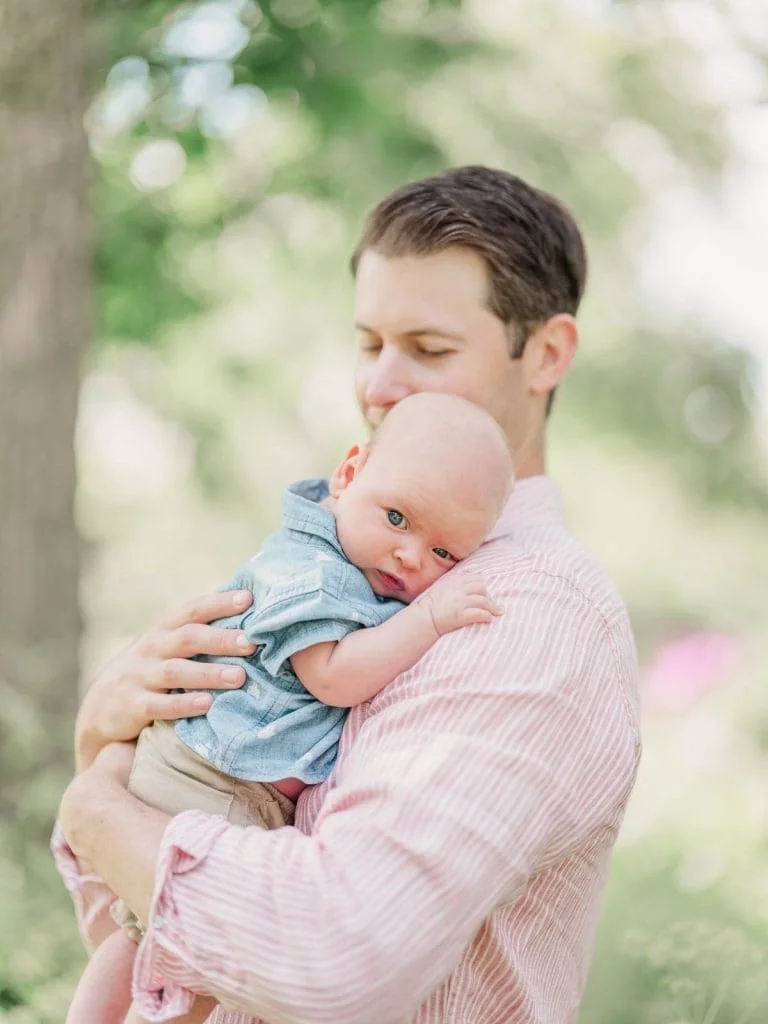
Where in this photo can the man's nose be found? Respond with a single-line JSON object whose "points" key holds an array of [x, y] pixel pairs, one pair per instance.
{"points": [[386, 380]]}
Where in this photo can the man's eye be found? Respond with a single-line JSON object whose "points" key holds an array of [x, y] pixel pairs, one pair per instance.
{"points": [[396, 518], [368, 342], [442, 553], [434, 353]]}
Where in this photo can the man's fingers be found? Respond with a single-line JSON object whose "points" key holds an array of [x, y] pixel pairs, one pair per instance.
{"points": [[190, 639], [170, 706], [178, 673], [208, 607]]}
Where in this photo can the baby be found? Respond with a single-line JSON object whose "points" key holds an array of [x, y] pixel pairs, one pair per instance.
{"points": [[366, 550]]}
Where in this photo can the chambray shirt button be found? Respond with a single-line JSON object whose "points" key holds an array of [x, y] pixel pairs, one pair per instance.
{"points": [[158, 921]]}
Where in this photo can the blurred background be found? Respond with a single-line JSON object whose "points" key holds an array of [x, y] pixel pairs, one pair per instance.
{"points": [[182, 185]]}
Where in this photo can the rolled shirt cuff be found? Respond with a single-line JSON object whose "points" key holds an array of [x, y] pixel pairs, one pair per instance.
{"points": [[164, 968]]}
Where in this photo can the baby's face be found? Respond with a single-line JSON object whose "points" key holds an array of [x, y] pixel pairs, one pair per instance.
{"points": [[403, 529]]}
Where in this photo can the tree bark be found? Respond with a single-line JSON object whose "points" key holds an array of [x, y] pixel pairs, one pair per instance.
{"points": [[45, 324]]}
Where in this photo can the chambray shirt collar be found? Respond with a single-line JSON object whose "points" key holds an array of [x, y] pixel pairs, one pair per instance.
{"points": [[303, 512], [535, 501]]}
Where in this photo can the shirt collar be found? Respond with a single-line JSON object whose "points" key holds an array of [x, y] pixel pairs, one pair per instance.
{"points": [[535, 501], [303, 512]]}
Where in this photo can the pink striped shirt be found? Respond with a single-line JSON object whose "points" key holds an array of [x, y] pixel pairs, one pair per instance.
{"points": [[451, 869]]}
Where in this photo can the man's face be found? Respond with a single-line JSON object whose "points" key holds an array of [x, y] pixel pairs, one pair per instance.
{"points": [[423, 325]]}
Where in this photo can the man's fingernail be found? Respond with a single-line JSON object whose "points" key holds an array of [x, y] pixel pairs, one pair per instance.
{"points": [[242, 598], [243, 641], [202, 702], [231, 675]]}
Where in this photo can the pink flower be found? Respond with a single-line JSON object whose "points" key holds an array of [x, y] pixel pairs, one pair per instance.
{"points": [[688, 666]]}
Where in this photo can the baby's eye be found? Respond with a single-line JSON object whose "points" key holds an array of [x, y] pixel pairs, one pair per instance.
{"points": [[396, 518], [442, 553]]}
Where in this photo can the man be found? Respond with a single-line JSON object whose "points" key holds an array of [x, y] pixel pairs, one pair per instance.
{"points": [[451, 869]]}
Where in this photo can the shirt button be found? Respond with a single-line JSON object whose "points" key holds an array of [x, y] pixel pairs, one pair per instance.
{"points": [[158, 921]]}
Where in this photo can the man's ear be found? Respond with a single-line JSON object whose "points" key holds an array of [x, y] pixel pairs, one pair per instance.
{"points": [[344, 474], [548, 353]]}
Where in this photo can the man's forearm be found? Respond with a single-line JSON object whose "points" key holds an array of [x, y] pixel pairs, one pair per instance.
{"points": [[116, 834]]}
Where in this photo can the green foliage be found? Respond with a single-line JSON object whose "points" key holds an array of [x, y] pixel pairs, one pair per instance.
{"points": [[40, 956], [683, 957], [334, 70], [353, 98], [685, 398], [222, 299]]}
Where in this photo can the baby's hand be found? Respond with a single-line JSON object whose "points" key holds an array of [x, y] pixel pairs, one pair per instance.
{"points": [[457, 600]]}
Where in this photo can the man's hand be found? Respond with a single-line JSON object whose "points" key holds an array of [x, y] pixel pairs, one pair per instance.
{"points": [[114, 763], [85, 794], [110, 831], [456, 600], [132, 689]]}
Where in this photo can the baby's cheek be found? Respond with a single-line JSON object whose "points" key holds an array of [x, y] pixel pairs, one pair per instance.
{"points": [[440, 570]]}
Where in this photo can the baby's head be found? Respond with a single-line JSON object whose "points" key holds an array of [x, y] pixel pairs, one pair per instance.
{"points": [[423, 495]]}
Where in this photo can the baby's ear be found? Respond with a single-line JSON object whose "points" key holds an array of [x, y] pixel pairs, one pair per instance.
{"points": [[343, 475]]}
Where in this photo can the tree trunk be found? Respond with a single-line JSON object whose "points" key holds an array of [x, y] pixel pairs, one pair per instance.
{"points": [[45, 324]]}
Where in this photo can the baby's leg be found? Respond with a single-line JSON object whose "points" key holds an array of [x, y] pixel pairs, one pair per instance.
{"points": [[103, 995], [201, 1010]]}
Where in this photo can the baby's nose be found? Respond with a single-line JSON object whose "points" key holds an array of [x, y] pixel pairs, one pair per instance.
{"points": [[409, 556]]}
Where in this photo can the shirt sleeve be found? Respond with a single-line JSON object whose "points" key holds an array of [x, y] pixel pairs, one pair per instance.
{"points": [[505, 748], [302, 604], [90, 894]]}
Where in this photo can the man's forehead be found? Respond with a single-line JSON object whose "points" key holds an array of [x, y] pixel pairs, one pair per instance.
{"points": [[413, 286]]}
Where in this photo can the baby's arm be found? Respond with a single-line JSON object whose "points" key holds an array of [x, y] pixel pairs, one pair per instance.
{"points": [[354, 669]]}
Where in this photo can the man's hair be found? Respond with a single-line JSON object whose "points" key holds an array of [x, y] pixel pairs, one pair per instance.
{"points": [[529, 241]]}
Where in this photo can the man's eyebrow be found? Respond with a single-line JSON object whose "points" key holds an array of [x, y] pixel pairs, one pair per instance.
{"points": [[436, 332], [417, 332]]}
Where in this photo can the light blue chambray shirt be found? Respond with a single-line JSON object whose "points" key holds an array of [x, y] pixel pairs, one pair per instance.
{"points": [[305, 592]]}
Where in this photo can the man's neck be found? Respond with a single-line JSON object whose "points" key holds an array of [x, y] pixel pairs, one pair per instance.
{"points": [[529, 460]]}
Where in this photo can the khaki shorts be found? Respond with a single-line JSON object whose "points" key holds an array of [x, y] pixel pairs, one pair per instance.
{"points": [[168, 775]]}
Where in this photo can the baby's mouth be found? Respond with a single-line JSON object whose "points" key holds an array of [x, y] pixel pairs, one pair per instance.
{"points": [[391, 582]]}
